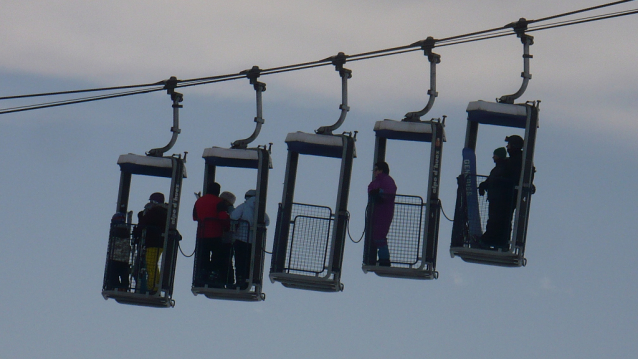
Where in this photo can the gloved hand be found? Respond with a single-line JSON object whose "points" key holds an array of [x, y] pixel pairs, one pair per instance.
{"points": [[481, 189], [375, 195]]}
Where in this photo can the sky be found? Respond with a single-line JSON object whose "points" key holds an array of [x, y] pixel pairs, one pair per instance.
{"points": [[575, 298]]}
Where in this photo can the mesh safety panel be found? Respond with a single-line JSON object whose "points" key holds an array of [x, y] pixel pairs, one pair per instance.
{"points": [[309, 236], [406, 231], [240, 230], [483, 203]]}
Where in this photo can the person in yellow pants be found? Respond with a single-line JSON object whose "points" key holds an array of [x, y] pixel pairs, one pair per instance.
{"points": [[152, 222]]}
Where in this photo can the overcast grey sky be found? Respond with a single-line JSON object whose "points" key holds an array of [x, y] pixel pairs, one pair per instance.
{"points": [[575, 298]]}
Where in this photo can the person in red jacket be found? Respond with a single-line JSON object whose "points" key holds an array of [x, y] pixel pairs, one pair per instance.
{"points": [[212, 221]]}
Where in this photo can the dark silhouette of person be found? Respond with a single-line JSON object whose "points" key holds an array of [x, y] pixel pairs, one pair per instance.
{"points": [[152, 223], [381, 194], [499, 195]]}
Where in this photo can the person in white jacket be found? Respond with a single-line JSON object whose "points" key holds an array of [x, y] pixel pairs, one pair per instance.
{"points": [[244, 217]]}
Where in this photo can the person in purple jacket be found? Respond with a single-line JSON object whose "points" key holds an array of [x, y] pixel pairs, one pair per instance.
{"points": [[381, 193]]}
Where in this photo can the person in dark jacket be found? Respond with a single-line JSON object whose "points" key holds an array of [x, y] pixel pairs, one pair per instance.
{"points": [[212, 221], [381, 194], [152, 226], [499, 195], [514, 163]]}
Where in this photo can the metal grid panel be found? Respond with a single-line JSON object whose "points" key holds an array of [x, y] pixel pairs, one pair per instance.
{"points": [[240, 230], [483, 204], [309, 242], [135, 267], [406, 231]]}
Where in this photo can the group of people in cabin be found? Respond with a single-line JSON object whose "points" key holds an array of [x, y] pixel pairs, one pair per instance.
{"points": [[151, 226], [223, 237], [501, 194], [223, 231], [223, 234]]}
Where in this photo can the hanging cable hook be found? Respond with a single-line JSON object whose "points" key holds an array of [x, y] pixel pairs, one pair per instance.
{"points": [[338, 61], [519, 28], [176, 97], [253, 74], [427, 45]]}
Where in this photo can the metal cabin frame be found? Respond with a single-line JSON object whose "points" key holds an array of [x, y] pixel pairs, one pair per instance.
{"points": [[157, 165], [422, 240], [508, 115], [326, 252], [252, 158], [169, 167]]}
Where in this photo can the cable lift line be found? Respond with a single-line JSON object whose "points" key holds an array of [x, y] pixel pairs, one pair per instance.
{"points": [[244, 282], [309, 239], [132, 274], [412, 237], [448, 41]]}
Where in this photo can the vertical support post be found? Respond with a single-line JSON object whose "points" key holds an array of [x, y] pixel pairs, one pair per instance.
{"points": [[169, 257], [260, 230], [209, 176], [339, 233], [282, 230], [123, 194], [433, 205], [525, 183]]}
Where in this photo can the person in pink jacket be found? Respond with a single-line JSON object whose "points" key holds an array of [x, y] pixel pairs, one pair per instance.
{"points": [[381, 193]]}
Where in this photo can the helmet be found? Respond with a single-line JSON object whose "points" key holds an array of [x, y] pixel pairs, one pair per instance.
{"points": [[157, 197], [515, 141], [250, 193]]}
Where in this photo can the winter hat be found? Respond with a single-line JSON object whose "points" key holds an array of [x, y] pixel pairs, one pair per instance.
{"points": [[515, 141], [250, 193], [157, 197], [228, 196], [500, 152]]}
